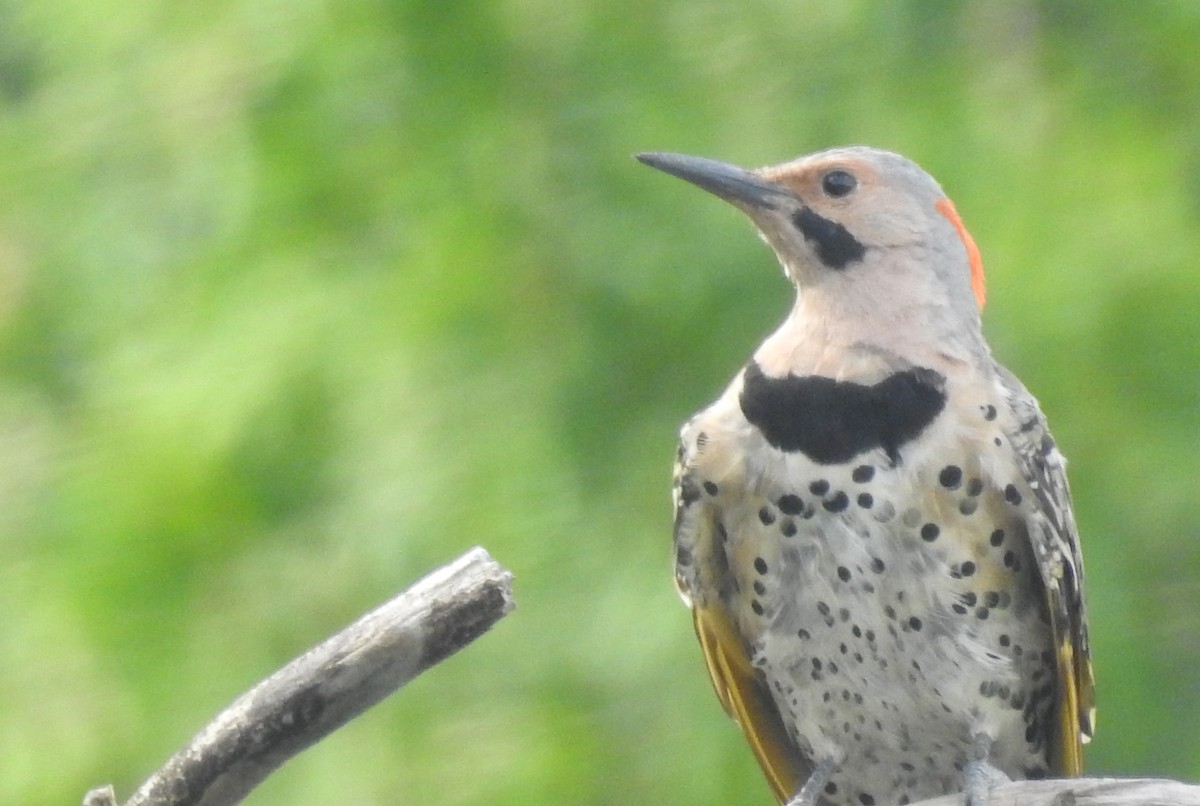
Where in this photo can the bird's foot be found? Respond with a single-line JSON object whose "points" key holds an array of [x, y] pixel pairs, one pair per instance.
{"points": [[979, 776]]}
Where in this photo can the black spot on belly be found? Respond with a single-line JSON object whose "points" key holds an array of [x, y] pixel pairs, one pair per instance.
{"points": [[834, 244], [790, 504], [833, 421], [689, 491]]}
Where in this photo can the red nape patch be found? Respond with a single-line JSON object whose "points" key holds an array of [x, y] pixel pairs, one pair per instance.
{"points": [[978, 285]]}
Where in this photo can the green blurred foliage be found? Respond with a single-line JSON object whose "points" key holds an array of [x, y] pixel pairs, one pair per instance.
{"points": [[299, 300]]}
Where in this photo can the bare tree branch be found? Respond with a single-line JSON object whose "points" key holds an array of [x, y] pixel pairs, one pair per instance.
{"points": [[329, 685], [1085, 792]]}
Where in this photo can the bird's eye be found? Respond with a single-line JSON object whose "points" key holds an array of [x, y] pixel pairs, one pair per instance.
{"points": [[838, 183]]}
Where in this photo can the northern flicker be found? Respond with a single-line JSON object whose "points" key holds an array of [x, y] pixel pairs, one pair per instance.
{"points": [[872, 524]]}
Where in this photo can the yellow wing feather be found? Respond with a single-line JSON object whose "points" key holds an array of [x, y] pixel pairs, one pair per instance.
{"points": [[744, 696], [1076, 705], [1070, 749]]}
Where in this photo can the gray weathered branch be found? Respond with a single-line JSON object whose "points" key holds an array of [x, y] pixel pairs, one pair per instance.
{"points": [[329, 685], [1085, 792]]}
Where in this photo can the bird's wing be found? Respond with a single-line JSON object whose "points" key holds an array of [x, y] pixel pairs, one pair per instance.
{"points": [[1055, 542], [704, 580], [741, 690]]}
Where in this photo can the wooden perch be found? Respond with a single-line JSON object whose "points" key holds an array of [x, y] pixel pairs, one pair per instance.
{"points": [[1085, 792], [329, 685]]}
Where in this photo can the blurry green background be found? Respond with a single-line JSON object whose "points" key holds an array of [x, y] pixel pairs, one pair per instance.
{"points": [[300, 300]]}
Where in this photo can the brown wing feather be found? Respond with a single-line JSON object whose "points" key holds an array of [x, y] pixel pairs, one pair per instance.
{"points": [[1056, 546], [740, 689]]}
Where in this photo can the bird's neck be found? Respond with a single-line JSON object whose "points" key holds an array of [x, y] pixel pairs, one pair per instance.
{"points": [[852, 341]]}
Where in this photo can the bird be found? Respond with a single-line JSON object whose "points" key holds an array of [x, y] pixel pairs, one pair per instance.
{"points": [[872, 526]]}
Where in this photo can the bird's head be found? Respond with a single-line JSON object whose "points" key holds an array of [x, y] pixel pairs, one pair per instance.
{"points": [[866, 230]]}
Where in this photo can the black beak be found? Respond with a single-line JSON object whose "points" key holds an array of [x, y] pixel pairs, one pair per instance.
{"points": [[731, 183]]}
